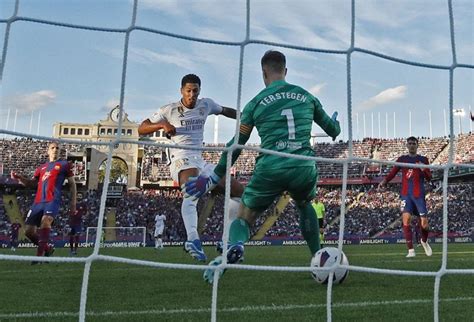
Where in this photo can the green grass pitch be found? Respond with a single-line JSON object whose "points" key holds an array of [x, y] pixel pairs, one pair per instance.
{"points": [[124, 292]]}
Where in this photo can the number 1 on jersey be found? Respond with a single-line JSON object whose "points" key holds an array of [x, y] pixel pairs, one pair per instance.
{"points": [[291, 123]]}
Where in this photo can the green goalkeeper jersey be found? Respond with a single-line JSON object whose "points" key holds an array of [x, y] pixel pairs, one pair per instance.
{"points": [[283, 115]]}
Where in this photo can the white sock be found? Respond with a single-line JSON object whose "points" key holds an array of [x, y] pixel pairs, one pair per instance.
{"points": [[156, 243], [190, 219], [160, 242], [234, 206]]}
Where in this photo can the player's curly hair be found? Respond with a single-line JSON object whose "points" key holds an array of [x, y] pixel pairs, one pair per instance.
{"points": [[190, 79]]}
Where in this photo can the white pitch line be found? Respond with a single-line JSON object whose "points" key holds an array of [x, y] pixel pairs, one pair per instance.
{"points": [[403, 254], [258, 308]]}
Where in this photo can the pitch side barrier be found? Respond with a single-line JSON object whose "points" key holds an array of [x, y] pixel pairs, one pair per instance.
{"points": [[4, 243]]}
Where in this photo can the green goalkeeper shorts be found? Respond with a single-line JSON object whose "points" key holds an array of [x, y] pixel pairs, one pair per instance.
{"points": [[265, 186]]}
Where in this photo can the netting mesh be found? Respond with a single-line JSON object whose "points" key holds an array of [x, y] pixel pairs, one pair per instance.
{"points": [[133, 27]]}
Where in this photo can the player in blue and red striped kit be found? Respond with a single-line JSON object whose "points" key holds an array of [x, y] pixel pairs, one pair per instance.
{"points": [[49, 179], [75, 224], [412, 194], [14, 231]]}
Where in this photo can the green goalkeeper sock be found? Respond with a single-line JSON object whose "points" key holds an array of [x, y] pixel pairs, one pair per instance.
{"points": [[239, 231], [309, 226]]}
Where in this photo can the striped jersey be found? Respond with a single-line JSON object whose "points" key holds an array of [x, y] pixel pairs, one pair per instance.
{"points": [[76, 219], [51, 176], [413, 179]]}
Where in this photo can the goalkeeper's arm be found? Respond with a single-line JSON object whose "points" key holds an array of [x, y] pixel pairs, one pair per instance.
{"points": [[244, 135]]}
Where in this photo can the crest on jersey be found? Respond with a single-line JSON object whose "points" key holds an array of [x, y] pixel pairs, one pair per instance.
{"points": [[180, 111], [57, 167], [201, 111]]}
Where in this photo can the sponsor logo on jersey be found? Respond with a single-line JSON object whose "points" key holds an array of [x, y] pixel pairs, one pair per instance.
{"points": [[280, 145], [46, 175]]}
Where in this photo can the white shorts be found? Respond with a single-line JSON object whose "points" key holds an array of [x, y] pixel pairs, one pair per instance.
{"points": [[159, 230], [190, 163]]}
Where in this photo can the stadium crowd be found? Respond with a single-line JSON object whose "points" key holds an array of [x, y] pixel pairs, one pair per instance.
{"points": [[369, 212], [20, 155], [435, 149]]}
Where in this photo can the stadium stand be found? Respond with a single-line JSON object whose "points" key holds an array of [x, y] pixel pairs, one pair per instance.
{"points": [[369, 212]]}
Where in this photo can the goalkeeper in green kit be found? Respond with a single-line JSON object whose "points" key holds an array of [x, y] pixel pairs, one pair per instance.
{"points": [[283, 115]]}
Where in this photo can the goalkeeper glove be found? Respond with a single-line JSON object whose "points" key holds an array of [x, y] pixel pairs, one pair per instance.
{"points": [[198, 186]]}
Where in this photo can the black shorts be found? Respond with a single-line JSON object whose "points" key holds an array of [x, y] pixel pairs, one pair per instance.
{"points": [[321, 222]]}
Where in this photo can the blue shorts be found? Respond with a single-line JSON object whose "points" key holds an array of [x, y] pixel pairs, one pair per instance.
{"points": [[415, 206], [38, 210], [75, 230]]}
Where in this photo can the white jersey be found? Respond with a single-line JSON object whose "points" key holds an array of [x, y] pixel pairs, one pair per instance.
{"points": [[159, 224], [189, 124], [160, 220]]}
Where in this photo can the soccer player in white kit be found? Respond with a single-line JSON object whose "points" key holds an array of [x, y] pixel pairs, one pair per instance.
{"points": [[159, 227], [183, 123]]}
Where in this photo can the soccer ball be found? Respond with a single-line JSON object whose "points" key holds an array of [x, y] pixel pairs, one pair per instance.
{"points": [[327, 257]]}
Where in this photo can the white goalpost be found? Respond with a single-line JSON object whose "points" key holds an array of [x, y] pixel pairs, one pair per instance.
{"points": [[117, 237]]}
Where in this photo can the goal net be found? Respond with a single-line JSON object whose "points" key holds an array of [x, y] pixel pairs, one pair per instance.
{"points": [[238, 51], [117, 236]]}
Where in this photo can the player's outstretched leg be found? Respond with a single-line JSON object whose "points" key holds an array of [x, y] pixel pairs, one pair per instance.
{"points": [[427, 248], [43, 241], [309, 225], [49, 251], [239, 233], [424, 242], [194, 248], [71, 244], [76, 244], [160, 243], [424, 236], [235, 254], [193, 244], [411, 253], [32, 236], [408, 237], [208, 275]]}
